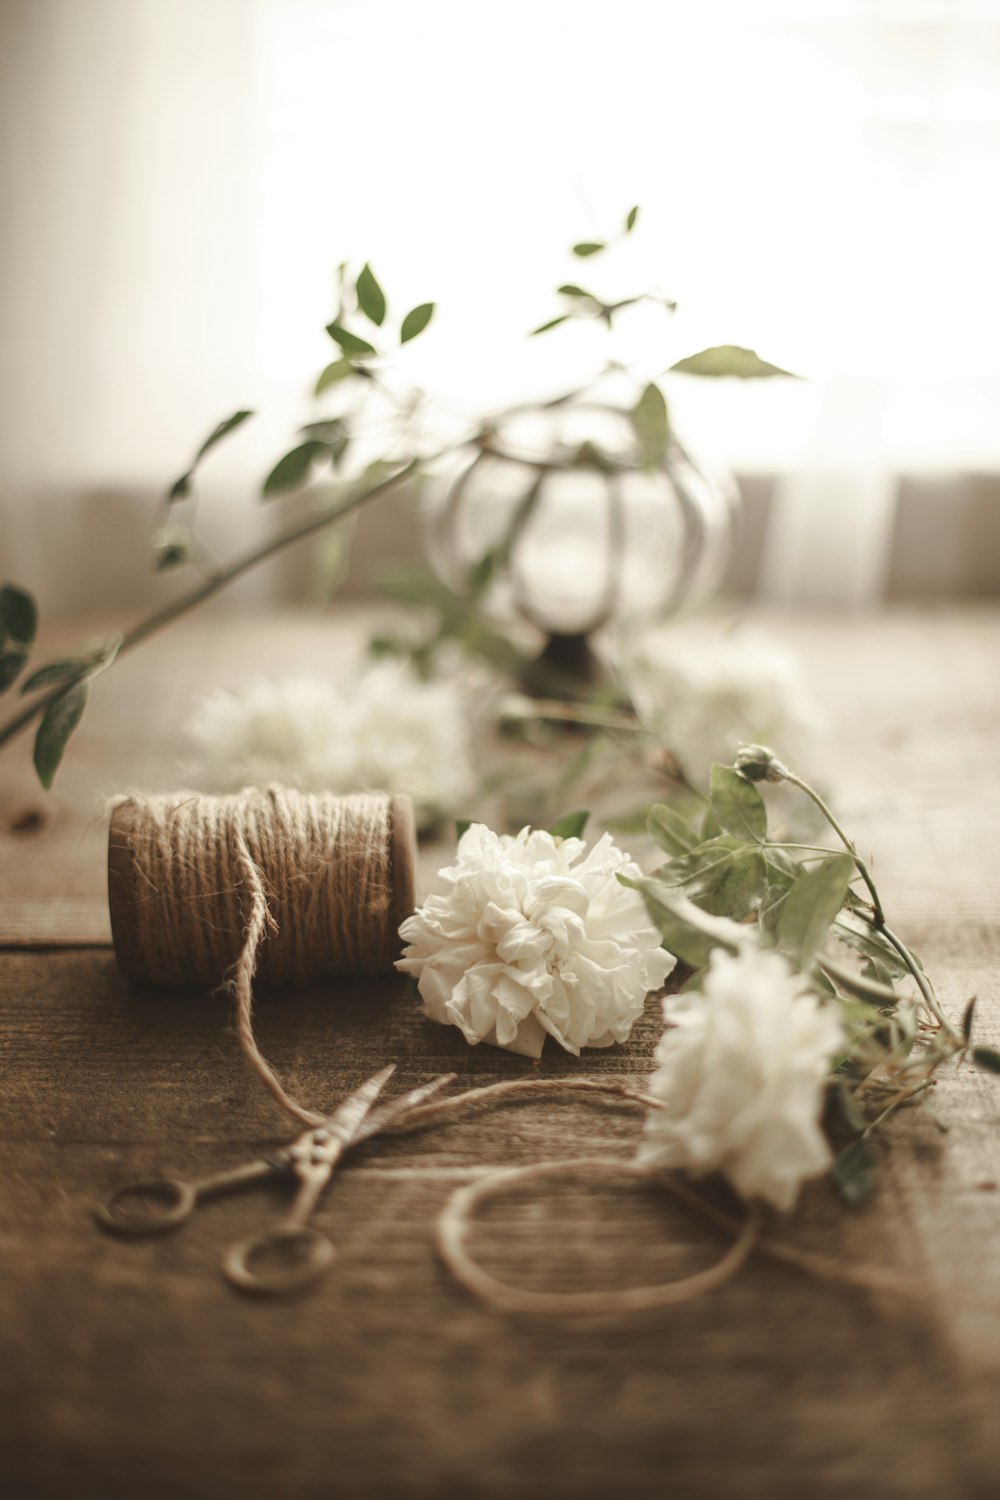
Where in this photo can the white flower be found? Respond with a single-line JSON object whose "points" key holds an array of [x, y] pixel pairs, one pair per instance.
{"points": [[386, 731], [741, 1075], [535, 935], [704, 697]]}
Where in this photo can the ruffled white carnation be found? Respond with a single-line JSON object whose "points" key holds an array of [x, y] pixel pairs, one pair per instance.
{"points": [[705, 697], [535, 935], [741, 1075], [384, 731]]}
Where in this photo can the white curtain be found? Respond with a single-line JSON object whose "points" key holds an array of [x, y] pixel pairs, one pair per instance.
{"points": [[179, 179]]}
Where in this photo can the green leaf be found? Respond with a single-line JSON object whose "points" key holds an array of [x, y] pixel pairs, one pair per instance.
{"points": [[673, 833], [11, 664], [371, 298], [725, 876], [349, 342], [687, 931], [58, 722], [571, 290], [737, 804], [552, 323], [18, 614], [333, 433], [854, 1171], [340, 369], [710, 827], [855, 932], [810, 907], [181, 488], [571, 826], [769, 910], [589, 247], [416, 321], [967, 1018], [462, 825], [860, 985], [292, 471], [651, 423], [218, 433], [729, 359], [57, 671], [987, 1059], [630, 219]]}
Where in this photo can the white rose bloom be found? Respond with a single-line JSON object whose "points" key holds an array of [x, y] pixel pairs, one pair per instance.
{"points": [[705, 697], [535, 935], [741, 1075], [385, 731]]}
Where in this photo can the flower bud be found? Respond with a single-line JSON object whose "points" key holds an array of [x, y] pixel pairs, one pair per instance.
{"points": [[758, 763]]}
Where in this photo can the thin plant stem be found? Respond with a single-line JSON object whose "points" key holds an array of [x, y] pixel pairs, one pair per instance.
{"points": [[221, 579], [878, 915]]}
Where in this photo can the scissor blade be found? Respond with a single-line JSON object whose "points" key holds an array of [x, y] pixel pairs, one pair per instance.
{"points": [[380, 1118], [344, 1122]]}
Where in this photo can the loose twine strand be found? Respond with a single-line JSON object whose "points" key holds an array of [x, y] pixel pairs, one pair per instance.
{"points": [[297, 886]]}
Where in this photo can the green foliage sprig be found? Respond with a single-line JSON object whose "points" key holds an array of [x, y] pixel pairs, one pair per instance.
{"points": [[727, 882], [366, 339]]}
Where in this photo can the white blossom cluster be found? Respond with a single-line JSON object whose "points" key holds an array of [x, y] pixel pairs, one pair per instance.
{"points": [[535, 936], [702, 697], [385, 731], [741, 1074]]}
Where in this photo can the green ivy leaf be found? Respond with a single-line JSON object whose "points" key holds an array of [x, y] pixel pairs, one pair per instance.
{"points": [[292, 471], [651, 424], [987, 1059], [729, 359], [810, 907], [861, 986], [571, 290], [416, 321], [57, 671], [221, 431], [18, 614], [673, 833], [552, 323], [686, 930], [462, 825], [851, 929], [630, 219], [737, 804], [333, 433], [769, 910], [350, 342], [11, 664], [340, 369], [854, 1171], [58, 722], [571, 826], [371, 298], [725, 876], [589, 247]]}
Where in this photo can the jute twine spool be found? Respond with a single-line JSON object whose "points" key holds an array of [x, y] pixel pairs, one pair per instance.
{"points": [[213, 890]]}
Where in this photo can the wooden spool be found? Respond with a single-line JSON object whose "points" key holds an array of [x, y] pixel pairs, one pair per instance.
{"points": [[128, 891]]}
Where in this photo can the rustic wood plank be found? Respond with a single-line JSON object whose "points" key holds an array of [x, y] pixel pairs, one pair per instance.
{"points": [[131, 1366]]}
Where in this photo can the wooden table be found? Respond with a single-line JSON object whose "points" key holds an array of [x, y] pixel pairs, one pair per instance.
{"points": [[131, 1368]]}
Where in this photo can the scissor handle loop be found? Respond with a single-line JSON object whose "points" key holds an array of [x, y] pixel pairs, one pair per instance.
{"points": [[176, 1199], [311, 1254]]}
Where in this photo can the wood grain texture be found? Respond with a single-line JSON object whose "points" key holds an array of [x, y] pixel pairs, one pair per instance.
{"points": [[130, 1367]]}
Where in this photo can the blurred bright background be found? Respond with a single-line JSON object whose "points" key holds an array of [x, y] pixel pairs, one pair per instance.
{"points": [[819, 180]]}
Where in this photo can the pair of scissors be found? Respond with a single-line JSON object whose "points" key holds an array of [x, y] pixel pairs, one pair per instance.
{"points": [[157, 1204]]}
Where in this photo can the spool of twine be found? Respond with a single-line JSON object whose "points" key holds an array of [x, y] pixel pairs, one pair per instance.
{"points": [[210, 891]]}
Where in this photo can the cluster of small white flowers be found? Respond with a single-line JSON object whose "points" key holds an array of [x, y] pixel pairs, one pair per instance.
{"points": [[704, 697], [741, 1074], [535, 936], [385, 731]]}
